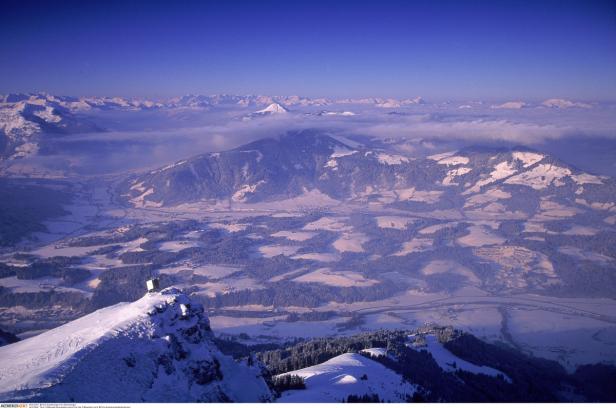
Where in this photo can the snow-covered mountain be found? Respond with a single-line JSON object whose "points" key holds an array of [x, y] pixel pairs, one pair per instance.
{"points": [[199, 101], [25, 121], [159, 348], [289, 166], [273, 108], [515, 201]]}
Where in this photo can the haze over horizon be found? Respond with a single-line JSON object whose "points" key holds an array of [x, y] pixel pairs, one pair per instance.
{"points": [[440, 50]]}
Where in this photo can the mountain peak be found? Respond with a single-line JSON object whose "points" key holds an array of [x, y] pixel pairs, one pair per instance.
{"points": [[158, 348], [274, 108]]}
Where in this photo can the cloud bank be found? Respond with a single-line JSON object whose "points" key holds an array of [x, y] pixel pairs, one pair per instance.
{"points": [[140, 141]]}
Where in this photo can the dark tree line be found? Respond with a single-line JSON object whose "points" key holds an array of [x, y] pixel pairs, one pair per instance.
{"points": [[301, 294], [57, 267], [363, 399], [283, 383], [318, 351], [38, 300]]}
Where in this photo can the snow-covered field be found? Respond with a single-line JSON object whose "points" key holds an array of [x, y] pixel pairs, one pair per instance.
{"points": [[390, 221], [350, 242], [270, 251], [447, 266], [294, 235], [480, 236], [176, 246], [208, 271], [414, 245], [335, 278], [314, 256], [328, 224], [411, 194], [437, 227], [231, 227]]}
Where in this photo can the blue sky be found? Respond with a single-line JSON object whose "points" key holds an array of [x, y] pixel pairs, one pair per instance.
{"points": [[437, 49]]}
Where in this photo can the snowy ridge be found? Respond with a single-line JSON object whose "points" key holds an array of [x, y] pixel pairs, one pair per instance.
{"points": [[158, 348]]}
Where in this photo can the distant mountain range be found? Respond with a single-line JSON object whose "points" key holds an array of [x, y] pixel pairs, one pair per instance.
{"points": [[26, 120], [197, 101]]}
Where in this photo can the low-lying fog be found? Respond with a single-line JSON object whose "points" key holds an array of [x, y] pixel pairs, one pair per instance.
{"points": [[138, 140]]}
